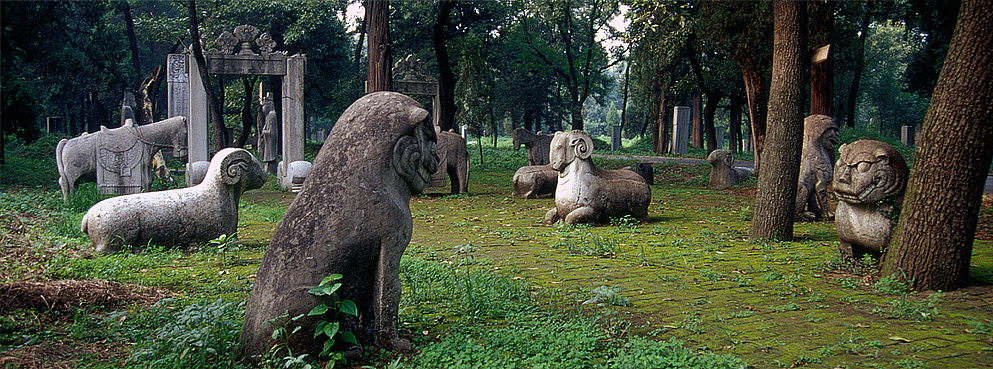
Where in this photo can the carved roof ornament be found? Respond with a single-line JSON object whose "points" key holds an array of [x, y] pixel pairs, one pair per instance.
{"points": [[245, 40], [412, 69]]}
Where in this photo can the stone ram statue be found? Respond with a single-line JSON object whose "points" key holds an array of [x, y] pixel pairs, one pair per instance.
{"points": [[536, 144], [177, 217], [588, 194], [869, 180], [352, 217], [723, 174], [535, 182], [820, 135]]}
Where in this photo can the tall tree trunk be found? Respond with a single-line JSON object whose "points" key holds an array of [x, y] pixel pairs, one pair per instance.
{"points": [[853, 91], [380, 77], [932, 244], [624, 101], [217, 134], [248, 114], [756, 96], [777, 182], [357, 56], [709, 111], [822, 70], [446, 78], [734, 124], [696, 113]]}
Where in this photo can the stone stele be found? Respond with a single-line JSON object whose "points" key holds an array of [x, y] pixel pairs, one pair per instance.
{"points": [[351, 217], [869, 180]]}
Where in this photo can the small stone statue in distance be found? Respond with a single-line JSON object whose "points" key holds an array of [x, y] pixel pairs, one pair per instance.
{"points": [[351, 217], [869, 180], [588, 194], [723, 174]]}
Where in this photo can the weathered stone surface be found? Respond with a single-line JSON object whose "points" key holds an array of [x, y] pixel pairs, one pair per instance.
{"points": [[820, 134], [195, 172], [536, 143], [723, 174], [535, 182], [177, 217], [588, 194], [454, 162], [352, 217], [120, 158], [869, 180]]}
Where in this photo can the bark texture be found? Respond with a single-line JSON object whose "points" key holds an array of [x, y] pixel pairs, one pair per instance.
{"points": [[777, 182], [932, 244], [377, 20]]}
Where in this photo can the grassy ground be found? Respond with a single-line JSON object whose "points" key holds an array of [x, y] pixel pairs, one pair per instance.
{"points": [[487, 285]]}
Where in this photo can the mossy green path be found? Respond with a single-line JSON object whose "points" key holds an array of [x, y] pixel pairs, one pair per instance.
{"points": [[691, 273]]}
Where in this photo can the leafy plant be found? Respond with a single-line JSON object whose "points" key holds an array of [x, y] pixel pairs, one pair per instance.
{"points": [[224, 243], [201, 335], [608, 295], [329, 310]]}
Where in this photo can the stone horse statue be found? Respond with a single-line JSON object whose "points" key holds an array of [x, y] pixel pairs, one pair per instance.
{"points": [[118, 156], [536, 143]]}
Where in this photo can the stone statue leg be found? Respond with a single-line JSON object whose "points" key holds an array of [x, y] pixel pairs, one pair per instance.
{"points": [[386, 298], [580, 215], [463, 174], [552, 216], [66, 187], [846, 251]]}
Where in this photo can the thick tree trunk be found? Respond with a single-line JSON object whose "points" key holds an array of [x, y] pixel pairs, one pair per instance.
{"points": [[446, 78], [377, 18], [734, 124], [932, 244], [709, 111], [777, 182], [248, 114], [822, 70]]}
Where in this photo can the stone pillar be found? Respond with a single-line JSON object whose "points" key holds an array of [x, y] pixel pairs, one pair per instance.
{"points": [[293, 116], [907, 135], [680, 130], [178, 82], [196, 119], [615, 138]]}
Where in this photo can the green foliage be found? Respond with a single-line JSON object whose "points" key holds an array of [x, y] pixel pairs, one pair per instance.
{"points": [[328, 328], [608, 295], [849, 135], [645, 353], [201, 335], [29, 164]]}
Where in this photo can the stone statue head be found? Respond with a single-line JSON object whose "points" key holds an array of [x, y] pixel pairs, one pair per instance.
{"points": [[822, 130], [868, 171], [721, 157], [566, 147], [237, 168]]}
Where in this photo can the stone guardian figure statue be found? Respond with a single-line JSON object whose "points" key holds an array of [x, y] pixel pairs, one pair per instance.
{"points": [[268, 144]]}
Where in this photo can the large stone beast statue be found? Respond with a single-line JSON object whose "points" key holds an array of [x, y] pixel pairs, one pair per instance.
{"points": [[820, 135], [177, 217], [351, 217], [588, 194], [125, 153], [535, 182], [536, 143], [869, 180], [723, 174], [454, 162]]}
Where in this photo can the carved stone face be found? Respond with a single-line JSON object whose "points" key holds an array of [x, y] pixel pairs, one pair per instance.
{"points": [[868, 171]]}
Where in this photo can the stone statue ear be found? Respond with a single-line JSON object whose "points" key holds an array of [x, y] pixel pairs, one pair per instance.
{"points": [[406, 157], [582, 147], [234, 165]]}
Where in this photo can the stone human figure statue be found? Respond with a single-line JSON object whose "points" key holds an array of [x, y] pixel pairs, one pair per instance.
{"points": [[869, 180], [352, 217], [267, 144]]}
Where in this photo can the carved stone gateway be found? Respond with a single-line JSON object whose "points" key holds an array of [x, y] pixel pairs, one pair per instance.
{"points": [[242, 52]]}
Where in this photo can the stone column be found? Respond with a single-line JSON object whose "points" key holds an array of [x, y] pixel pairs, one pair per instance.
{"points": [[907, 135], [680, 130], [197, 120], [615, 138], [178, 82], [293, 116]]}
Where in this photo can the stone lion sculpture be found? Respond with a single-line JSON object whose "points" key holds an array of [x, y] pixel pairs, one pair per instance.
{"points": [[723, 173], [535, 182], [869, 180], [177, 217], [588, 194], [352, 217], [820, 135]]}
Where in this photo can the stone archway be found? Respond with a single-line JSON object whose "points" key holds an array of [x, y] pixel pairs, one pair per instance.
{"points": [[242, 52]]}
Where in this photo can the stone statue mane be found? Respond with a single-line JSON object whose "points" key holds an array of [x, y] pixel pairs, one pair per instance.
{"points": [[869, 180], [820, 135], [352, 217]]}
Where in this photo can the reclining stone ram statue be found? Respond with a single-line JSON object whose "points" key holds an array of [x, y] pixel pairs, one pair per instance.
{"points": [[535, 182], [177, 217], [723, 173], [588, 194]]}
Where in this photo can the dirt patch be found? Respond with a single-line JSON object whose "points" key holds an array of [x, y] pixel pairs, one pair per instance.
{"points": [[64, 295], [60, 354]]}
